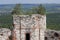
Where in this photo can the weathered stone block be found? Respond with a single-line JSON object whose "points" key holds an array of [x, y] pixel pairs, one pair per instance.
{"points": [[4, 33]]}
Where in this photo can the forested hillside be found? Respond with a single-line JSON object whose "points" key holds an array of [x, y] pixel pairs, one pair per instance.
{"points": [[53, 21], [6, 21]]}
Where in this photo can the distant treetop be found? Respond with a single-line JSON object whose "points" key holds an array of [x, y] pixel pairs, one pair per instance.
{"points": [[17, 9], [34, 10]]}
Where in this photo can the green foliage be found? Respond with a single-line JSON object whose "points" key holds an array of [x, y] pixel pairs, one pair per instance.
{"points": [[17, 9], [38, 10], [53, 21], [34, 10], [6, 21], [41, 9], [29, 12]]}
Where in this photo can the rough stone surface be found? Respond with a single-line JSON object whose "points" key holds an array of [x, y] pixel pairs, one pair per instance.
{"points": [[35, 25], [49, 34], [52, 35], [4, 33]]}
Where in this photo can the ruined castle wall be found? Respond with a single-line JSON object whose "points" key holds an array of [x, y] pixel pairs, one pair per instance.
{"points": [[34, 24]]}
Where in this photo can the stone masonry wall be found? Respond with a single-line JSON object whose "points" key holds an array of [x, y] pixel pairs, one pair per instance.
{"points": [[34, 24]]}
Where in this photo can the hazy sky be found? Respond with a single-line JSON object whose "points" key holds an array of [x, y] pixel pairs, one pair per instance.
{"points": [[29, 1]]}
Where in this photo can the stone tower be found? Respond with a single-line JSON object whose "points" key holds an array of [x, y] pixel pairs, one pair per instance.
{"points": [[28, 27]]}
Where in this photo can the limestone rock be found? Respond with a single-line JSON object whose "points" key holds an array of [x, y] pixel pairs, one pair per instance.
{"points": [[52, 35], [4, 33]]}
